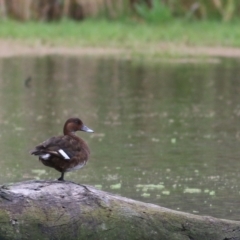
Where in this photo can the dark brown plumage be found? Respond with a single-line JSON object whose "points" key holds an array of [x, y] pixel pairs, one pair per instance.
{"points": [[67, 152]]}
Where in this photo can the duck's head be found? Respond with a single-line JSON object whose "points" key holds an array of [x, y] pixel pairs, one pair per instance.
{"points": [[75, 124]]}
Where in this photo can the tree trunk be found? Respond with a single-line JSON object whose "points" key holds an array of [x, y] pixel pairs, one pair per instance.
{"points": [[65, 210]]}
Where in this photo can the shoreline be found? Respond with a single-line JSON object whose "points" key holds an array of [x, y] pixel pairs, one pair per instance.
{"points": [[12, 48]]}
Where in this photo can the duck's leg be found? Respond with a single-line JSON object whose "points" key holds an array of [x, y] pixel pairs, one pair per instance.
{"points": [[62, 177]]}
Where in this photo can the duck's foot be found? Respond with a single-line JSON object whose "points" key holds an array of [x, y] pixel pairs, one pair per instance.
{"points": [[62, 177]]}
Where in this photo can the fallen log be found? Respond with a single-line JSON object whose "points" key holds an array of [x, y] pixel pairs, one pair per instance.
{"points": [[66, 210]]}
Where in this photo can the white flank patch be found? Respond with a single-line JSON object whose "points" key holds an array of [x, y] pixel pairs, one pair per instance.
{"points": [[45, 156], [63, 154], [76, 167]]}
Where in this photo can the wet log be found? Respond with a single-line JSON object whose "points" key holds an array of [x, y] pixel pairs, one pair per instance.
{"points": [[66, 210]]}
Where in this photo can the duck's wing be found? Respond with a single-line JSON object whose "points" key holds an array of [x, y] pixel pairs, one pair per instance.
{"points": [[62, 147]]}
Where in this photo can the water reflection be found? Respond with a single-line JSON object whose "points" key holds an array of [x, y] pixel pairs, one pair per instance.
{"points": [[164, 133]]}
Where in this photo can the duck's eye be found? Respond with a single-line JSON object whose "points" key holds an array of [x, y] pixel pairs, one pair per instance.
{"points": [[77, 121]]}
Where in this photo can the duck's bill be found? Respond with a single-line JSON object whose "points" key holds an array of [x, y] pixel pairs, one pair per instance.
{"points": [[86, 129]]}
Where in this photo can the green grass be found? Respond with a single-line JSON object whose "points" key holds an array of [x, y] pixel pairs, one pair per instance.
{"points": [[124, 34]]}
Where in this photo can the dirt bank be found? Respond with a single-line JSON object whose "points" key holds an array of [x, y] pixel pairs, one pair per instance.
{"points": [[9, 48]]}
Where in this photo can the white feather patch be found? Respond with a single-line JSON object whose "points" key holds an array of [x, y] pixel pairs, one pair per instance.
{"points": [[45, 156], [76, 167], [63, 154]]}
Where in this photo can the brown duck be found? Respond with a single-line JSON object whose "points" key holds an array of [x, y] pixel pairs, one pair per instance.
{"points": [[67, 152]]}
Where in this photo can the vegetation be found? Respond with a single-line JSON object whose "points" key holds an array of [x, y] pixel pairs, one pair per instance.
{"points": [[132, 24], [148, 10], [124, 34]]}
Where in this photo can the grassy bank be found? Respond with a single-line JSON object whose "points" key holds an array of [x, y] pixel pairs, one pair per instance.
{"points": [[125, 35]]}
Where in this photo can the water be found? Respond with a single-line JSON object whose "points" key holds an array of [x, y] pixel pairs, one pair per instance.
{"points": [[165, 133]]}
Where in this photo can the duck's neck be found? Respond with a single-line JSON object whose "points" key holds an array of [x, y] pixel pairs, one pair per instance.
{"points": [[70, 133]]}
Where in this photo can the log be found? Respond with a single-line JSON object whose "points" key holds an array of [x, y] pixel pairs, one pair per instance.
{"points": [[66, 210]]}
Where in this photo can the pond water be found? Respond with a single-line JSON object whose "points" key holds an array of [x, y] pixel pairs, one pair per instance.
{"points": [[166, 133]]}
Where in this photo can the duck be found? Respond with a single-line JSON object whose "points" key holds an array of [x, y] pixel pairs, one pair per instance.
{"points": [[67, 152]]}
